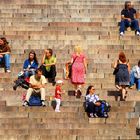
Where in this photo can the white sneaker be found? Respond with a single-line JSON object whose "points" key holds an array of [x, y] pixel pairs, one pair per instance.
{"points": [[91, 115], [138, 33], [43, 103], [57, 110], [25, 103], [121, 33], [8, 71]]}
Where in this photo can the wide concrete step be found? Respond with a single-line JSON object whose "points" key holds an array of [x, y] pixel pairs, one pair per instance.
{"points": [[39, 115], [70, 137], [50, 132]]}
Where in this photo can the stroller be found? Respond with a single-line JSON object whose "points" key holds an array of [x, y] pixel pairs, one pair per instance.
{"points": [[21, 81]]}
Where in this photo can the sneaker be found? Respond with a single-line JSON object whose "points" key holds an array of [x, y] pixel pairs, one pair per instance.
{"points": [[105, 115], [8, 71], [57, 110], [131, 87], [91, 115], [121, 33], [25, 103], [43, 103], [138, 33]]}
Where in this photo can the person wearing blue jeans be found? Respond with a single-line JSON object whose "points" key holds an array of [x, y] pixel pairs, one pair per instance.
{"points": [[135, 76], [5, 53], [129, 19], [6, 59], [93, 104], [30, 65]]}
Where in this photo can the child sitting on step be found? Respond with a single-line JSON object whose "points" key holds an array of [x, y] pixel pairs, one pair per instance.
{"points": [[58, 92]]}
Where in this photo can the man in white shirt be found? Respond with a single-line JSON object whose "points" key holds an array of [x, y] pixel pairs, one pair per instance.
{"points": [[37, 84]]}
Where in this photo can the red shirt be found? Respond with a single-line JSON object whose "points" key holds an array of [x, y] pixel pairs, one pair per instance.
{"points": [[57, 90]]}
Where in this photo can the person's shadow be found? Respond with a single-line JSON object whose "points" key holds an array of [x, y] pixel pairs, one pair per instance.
{"points": [[117, 95]]}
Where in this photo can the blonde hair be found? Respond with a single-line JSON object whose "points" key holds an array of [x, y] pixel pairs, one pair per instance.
{"points": [[78, 49]]}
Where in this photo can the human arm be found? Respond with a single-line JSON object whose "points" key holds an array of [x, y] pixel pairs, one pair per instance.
{"points": [[52, 61], [97, 103], [114, 65], [26, 65], [123, 17], [38, 86], [128, 65], [5, 50], [85, 65], [43, 58], [2, 53], [34, 66]]}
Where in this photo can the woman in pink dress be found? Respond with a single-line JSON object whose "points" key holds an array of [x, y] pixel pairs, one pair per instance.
{"points": [[79, 67]]}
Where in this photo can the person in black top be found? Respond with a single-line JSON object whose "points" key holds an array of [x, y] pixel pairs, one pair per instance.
{"points": [[129, 19]]}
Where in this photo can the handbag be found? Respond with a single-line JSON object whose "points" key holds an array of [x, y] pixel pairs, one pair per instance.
{"points": [[70, 68], [115, 71]]}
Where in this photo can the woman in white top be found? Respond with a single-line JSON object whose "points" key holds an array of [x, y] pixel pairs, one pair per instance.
{"points": [[94, 106], [91, 101]]}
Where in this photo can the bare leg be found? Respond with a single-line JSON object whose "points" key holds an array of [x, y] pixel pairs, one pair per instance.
{"points": [[124, 92]]}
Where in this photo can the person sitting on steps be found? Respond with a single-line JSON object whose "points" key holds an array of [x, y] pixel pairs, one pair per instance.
{"points": [[5, 53], [129, 19], [48, 66], [135, 76], [94, 106], [37, 84], [30, 65]]}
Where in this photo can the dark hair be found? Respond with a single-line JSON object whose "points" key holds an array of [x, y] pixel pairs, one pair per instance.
{"points": [[4, 40], [122, 57], [90, 87], [50, 51], [126, 3], [38, 70], [139, 63], [35, 58]]}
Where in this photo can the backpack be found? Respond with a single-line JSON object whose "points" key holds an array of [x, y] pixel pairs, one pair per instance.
{"points": [[104, 108], [35, 100]]}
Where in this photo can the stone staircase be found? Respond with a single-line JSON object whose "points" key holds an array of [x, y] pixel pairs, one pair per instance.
{"points": [[60, 25]]}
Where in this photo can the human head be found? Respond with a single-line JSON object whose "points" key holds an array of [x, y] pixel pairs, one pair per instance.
{"points": [[90, 89], [32, 56], [59, 82], [3, 41], [78, 49], [49, 53], [122, 57], [139, 63], [128, 5], [38, 73]]}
